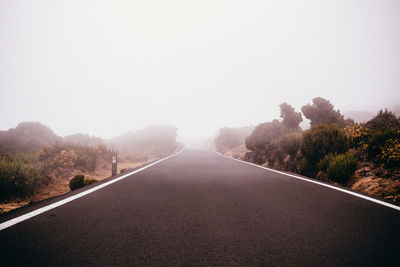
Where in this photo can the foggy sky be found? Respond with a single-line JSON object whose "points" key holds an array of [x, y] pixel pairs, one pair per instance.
{"points": [[106, 67]]}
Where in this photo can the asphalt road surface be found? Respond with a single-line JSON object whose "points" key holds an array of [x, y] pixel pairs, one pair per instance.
{"points": [[199, 208]]}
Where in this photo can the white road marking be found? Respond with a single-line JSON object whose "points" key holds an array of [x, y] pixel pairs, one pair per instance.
{"points": [[34, 213], [319, 183]]}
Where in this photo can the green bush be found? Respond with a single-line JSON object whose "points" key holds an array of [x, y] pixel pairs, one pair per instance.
{"points": [[264, 134], [19, 176], [86, 157], [273, 154], [60, 158], [383, 121], [306, 168], [377, 140], [77, 182], [290, 143], [339, 168], [323, 164], [390, 154], [89, 181], [321, 140]]}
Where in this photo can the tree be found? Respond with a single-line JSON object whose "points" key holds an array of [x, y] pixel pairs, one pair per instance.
{"points": [[291, 118], [384, 121], [264, 134], [322, 111]]}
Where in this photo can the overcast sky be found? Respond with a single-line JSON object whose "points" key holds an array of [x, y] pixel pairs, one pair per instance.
{"points": [[106, 67]]}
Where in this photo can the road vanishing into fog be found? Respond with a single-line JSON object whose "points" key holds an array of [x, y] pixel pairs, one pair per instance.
{"points": [[200, 209]]}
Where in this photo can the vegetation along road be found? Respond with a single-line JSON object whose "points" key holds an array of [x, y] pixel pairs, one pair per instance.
{"points": [[199, 208]]}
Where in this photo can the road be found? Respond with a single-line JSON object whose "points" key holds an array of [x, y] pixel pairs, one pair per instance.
{"points": [[199, 208]]}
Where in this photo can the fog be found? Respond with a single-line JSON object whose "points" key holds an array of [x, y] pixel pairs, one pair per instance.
{"points": [[106, 67]]}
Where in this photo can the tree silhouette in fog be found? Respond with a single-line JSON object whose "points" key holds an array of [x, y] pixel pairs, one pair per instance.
{"points": [[291, 118], [322, 111]]}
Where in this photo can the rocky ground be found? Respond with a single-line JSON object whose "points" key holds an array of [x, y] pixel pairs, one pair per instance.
{"points": [[376, 181]]}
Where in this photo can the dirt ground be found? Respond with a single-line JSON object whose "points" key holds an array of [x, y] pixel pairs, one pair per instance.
{"points": [[237, 152], [368, 180], [61, 186]]}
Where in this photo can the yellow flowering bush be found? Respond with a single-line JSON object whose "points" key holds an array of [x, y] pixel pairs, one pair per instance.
{"points": [[65, 159], [59, 158], [390, 154], [357, 135]]}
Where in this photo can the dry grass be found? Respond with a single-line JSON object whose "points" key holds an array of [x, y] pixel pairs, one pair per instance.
{"points": [[61, 186], [380, 187], [237, 152], [366, 180]]}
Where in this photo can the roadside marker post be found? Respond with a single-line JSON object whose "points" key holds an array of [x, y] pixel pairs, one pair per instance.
{"points": [[36, 212], [114, 165]]}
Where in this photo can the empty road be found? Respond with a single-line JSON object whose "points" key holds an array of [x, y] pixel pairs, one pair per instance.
{"points": [[199, 208]]}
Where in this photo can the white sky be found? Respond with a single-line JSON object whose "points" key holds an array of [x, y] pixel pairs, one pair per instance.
{"points": [[106, 67]]}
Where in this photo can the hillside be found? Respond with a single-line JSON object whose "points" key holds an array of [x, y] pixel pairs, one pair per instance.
{"points": [[361, 156], [36, 164], [27, 137], [83, 139]]}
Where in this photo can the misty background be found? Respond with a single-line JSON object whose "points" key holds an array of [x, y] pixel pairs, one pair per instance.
{"points": [[105, 67]]}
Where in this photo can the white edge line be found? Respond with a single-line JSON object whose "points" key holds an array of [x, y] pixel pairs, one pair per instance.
{"points": [[34, 213], [319, 183]]}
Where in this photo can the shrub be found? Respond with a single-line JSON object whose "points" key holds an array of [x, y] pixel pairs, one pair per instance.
{"points": [[77, 182], [125, 170], [383, 121], [321, 140], [339, 168], [323, 164], [65, 159], [290, 143], [89, 181], [57, 159], [61, 158], [86, 157], [264, 134], [19, 176], [306, 168], [274, 154], [390, 154], [357, 135], [377, 140]]}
